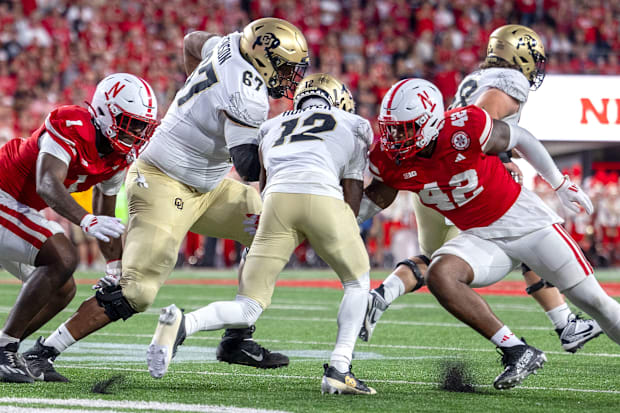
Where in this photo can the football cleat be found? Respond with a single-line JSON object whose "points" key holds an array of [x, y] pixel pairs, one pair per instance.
{"points": [[334, 382], [40, 362], [169, 335], [578, 332], [238, 347], [12, 366], [376, 307], [519, 362]]}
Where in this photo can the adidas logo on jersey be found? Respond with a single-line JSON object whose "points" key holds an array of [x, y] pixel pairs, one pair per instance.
{"points": [[459, 158]]}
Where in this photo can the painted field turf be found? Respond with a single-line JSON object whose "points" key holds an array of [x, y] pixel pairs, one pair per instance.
{"points": [[403, 361]]}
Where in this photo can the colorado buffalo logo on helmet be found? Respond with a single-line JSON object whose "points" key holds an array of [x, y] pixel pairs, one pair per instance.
{"points": [[460, 141], [269, 40]]}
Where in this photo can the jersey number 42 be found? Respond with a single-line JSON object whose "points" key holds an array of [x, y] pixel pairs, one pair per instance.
{"points": [[465, 186]]}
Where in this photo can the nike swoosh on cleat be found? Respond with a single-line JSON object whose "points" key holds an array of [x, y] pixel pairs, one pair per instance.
{"points": [[253, 356]]}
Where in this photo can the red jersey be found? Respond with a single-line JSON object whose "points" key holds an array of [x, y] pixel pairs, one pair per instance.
{"points": [[72, 129], [459, 180]]}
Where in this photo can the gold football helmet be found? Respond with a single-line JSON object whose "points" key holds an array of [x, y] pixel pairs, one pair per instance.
{"points": [[521, 46], [327, 87], [278, 50]]}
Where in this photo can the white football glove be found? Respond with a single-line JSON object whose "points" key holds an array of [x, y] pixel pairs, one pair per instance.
{"points": [[102, 227], [572, 196], [112, 275]]}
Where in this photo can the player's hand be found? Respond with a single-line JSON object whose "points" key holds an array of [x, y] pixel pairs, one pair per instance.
{"points": [[112, 275], [102, 227], [572, 197], [515, 172]]}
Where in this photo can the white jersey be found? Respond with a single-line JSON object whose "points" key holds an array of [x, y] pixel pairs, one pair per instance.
{"points": [[311, 150], [510, 81], [191, 144]]}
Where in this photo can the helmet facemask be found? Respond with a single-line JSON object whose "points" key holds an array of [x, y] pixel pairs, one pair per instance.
{"points": [[286, 76], [403, 139], [131, 131]]}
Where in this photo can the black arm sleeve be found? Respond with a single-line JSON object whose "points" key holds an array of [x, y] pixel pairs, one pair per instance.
{"points": [[246, 161]]}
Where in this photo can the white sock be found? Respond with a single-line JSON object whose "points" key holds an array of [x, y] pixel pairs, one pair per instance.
{"points": [[393, 287], [350, 318], [60, 339], [7, 339], [241, 313], [505, 338], [559, 316]]}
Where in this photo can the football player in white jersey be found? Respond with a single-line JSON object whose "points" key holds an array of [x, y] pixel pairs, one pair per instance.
{"points": [[313, 160], [178, 183], [514, 64]]}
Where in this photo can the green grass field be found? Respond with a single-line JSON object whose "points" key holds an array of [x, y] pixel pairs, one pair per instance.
{"points": [[403, 361]]}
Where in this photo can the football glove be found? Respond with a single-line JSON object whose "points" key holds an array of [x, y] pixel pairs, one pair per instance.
{"points": [[102, 227], [112, 275], [572, 196]]}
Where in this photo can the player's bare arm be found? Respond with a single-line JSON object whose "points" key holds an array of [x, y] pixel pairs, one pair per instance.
{"points": [[381, 194], [192, 48], [51, 174], [353, 190], [106, 205], [497, 103]]}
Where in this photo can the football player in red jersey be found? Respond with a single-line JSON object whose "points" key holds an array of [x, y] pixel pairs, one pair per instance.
{"points": [[444, 158], [76, 148], [513, 66]]}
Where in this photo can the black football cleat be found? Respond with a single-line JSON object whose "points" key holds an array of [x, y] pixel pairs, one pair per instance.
{"points": [[40, 362], [238, 347]]}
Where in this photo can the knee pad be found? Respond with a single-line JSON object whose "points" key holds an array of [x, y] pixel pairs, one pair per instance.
{"points": [[415, 270], [114, 303]]}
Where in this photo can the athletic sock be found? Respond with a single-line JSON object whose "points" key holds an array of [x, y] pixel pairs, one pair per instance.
{"points": [[60, 339], [559, 316], [393, 287], [7, 339], [505, 338]]}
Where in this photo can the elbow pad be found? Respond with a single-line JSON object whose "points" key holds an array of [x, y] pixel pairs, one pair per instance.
{"points": [[246, 161]]}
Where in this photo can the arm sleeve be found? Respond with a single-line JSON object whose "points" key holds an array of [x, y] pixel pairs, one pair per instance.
{"points": [[535, 153], [113, 185], [48, 145], [246, 160]]}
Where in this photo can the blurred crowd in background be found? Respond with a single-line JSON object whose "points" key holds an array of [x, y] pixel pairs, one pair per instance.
{"points": [[53, 52]]}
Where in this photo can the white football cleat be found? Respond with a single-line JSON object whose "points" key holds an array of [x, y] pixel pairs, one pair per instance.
{"points": [[170, 333]]}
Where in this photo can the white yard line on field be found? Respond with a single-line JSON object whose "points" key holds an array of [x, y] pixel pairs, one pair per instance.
{"points": [[129, 405]]}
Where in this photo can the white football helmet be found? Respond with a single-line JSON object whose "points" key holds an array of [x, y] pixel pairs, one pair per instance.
{"points": [[124, 107], [411, 117]]}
